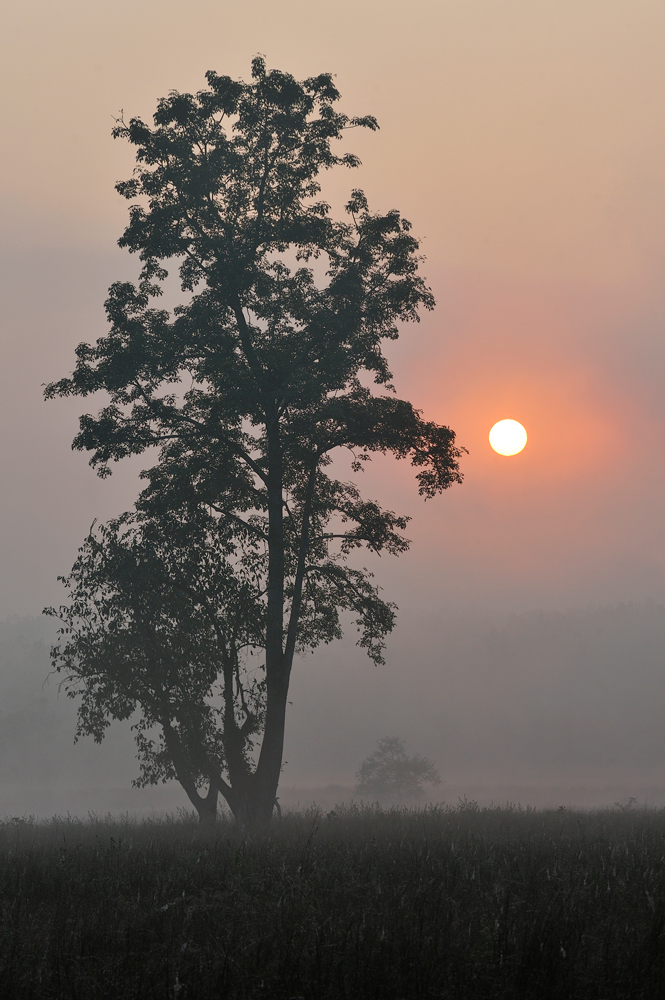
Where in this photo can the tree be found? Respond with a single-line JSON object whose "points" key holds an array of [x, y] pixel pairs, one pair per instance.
{"points": [[167, 619], [389, 772], [256, 381]]}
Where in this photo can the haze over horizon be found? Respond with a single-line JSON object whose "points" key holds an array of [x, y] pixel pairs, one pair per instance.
{"points": [[525, 142]]}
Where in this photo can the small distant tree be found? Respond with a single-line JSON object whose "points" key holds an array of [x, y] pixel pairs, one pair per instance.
{"points": [[389, 772]]}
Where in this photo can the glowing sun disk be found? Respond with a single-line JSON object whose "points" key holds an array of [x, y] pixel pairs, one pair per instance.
{"points": [[507, 437]]}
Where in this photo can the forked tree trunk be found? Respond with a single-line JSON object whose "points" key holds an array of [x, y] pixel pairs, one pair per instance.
{"points": [[253, 799], [207, 807], [252, 812]]}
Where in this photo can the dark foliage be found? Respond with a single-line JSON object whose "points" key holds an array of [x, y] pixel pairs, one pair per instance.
{"points": [[164, 626]]}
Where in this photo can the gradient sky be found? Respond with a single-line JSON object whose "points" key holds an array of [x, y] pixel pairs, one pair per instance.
{"points": [[525, 141]]}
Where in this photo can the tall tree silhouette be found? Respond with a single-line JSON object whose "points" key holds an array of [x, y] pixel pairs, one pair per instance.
{"points": [[262, 372]]}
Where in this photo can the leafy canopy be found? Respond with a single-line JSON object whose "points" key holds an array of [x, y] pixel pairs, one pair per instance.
{"points": [[230, 181]]}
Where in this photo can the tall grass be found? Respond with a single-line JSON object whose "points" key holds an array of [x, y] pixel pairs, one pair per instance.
{"points": [[457, 903]]}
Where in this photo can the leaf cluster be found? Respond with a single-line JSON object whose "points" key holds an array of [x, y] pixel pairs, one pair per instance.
{"points": [[161, 622]]}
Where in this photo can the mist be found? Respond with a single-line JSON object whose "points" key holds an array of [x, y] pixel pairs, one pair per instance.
{"points": [[541, 708], [525, 144]]}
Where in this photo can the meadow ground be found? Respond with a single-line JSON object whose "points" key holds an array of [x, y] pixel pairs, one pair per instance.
{"points": [[356, 903]]}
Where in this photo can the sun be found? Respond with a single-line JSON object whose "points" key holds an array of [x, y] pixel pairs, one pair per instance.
{"points": [[508, 437]]}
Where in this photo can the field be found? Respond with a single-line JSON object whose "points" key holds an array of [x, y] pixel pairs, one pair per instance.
{"points": [[457, 903]]}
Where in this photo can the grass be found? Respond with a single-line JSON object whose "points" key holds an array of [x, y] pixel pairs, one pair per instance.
{"points": [[443, 902]]}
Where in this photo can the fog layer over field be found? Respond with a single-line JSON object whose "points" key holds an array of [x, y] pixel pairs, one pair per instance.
{"points": [[559, 708], [525, 143]]}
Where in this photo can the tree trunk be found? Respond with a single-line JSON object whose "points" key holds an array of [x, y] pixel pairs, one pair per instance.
{"points": [[268, 771], [251, 811], [207, 807], [259, 803], [252, 798]]}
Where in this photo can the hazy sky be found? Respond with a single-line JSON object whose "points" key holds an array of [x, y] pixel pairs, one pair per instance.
{"points": [[525, 141]]}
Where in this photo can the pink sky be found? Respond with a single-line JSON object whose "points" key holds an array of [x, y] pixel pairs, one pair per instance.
{"points": [[525, 142]]}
